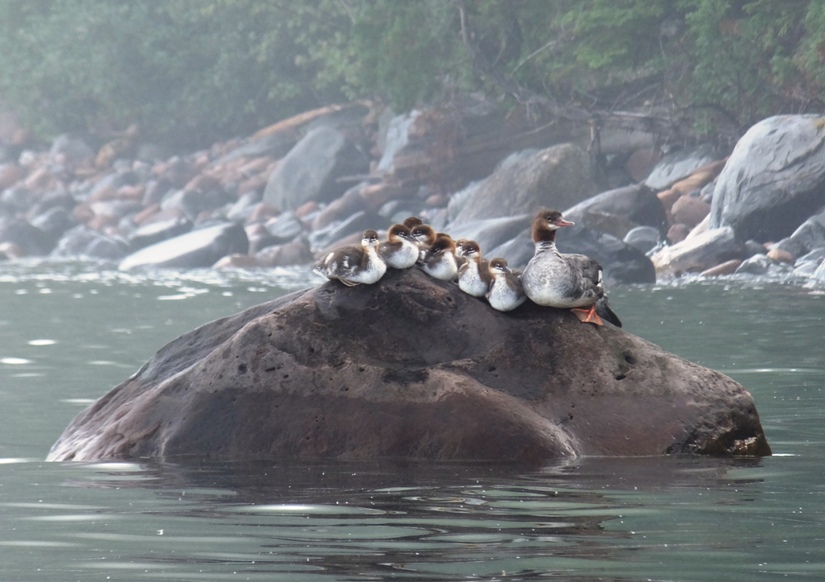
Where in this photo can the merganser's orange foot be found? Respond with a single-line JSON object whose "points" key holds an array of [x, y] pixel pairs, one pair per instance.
{"points": [[587, 315]]}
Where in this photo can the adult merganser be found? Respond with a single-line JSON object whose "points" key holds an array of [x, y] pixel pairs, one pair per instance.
{"points": [[473, 276], [399, 251], [505, 292], [564, 280], [439, 261], [353, 265]]}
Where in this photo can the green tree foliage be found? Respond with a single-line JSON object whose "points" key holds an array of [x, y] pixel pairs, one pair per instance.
{"points": [[192, 71], [186, 71]]}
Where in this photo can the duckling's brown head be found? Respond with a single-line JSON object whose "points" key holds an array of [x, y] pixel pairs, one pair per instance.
{"points": [[424, 234], [398, 231], [369, 238], [498, 266], [443, 244], [468, 248]]}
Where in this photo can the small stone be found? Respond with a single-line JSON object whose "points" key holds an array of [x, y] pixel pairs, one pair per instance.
{"points": [[726, 268], [677, 233], [781, 256], [236, 261], [689, 211]]}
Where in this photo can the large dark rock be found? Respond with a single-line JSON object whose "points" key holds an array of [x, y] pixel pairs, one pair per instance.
{"points": [[412, 367], [774, 179], [197, 248]]}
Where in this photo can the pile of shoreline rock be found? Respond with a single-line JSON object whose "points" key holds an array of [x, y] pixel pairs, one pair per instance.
{"points": [[296, 189]]}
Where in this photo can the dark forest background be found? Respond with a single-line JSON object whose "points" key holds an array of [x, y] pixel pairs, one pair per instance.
{"points": [[190, 72]]}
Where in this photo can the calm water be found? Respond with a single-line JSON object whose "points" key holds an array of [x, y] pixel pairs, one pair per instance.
{"points": [[68, 334]]}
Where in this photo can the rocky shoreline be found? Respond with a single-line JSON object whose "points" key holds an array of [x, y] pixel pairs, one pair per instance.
{"points": [[290, 192]]}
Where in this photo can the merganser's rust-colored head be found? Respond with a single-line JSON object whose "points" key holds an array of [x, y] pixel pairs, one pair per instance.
{"points": [[545, 224]]}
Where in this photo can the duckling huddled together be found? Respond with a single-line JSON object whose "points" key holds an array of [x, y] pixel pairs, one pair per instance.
{"points": [[551, 278]]}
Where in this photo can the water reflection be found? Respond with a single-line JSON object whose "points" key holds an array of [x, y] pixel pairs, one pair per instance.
{"points": [[372, 520]]}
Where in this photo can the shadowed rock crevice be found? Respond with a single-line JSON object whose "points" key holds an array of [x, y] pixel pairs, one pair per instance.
{"points": [[412, 367]]}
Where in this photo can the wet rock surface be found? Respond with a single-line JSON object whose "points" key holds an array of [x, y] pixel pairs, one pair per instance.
{"points": [[412, 367], [774, 179]]}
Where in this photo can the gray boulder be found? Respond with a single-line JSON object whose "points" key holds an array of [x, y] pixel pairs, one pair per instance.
{"points": [[357, 223], [158, 231], [54, 222], [28, 238], [698, 253], [198, 248], [763, 266], [819, 274], [807, 265], [636, 205], [492, 232], [70, 151], [84, 242], [311, 169], [809, 235], [773, 180], [559, 177], [412, 368], [678, 164], [644, 238]]}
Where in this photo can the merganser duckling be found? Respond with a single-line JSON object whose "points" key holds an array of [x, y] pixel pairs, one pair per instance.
{"points": [[353, 265], [399, 251], [412, 221], [460, 259], [505, 292], [473, 276], [424, 235], [564, 280], [439, 261]]}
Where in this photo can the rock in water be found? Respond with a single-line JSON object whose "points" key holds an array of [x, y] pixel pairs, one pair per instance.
{"points": [[412, 367], [774, 179], [198, 248]]}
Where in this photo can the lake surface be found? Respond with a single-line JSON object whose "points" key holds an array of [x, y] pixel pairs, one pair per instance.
{"points": [[68, 334]]}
